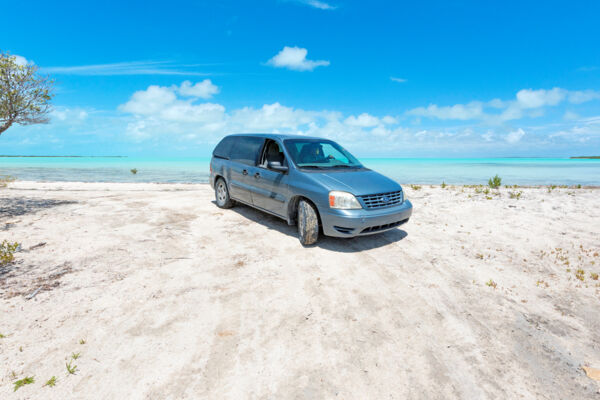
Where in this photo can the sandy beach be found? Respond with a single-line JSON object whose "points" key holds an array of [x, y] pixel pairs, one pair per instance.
{"points": [[153, 292]]}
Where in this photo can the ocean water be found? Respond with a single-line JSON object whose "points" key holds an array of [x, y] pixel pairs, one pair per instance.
{"points": [[520, 171]]}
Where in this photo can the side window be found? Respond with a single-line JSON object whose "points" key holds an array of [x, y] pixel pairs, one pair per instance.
{"points": [[223, 149], [271, 152], [245, 149]]}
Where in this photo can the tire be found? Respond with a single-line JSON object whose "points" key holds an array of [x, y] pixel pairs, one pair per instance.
{"points": [[308, 223], [222, 194]]}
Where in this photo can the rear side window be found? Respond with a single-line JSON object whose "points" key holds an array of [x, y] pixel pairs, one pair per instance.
{"points": [[223, 149], [245, 149]]}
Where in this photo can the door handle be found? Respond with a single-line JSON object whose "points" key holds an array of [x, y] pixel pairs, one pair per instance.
{"points": [[257, 175], [244, 172]]}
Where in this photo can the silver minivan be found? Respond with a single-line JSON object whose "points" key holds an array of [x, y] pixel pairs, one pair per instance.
{"points": [[311, 182]]}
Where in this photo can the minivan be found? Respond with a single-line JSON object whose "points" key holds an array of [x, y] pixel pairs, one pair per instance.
{"points": [[308, 181]]}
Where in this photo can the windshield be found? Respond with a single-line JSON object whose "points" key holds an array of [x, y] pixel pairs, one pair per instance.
{"points": [[319, 154]]}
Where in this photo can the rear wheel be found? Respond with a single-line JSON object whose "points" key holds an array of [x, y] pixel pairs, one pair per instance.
{"points": [[222, 194], [308, 223]]}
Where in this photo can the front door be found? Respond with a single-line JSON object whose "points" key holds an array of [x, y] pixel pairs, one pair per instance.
{"points": [[270, 189]]}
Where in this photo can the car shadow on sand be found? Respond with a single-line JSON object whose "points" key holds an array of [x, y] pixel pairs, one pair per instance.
{"points": [[350, 245]]}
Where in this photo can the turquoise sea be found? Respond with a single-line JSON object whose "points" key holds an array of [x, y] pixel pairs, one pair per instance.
{"points": [[520, 171]]}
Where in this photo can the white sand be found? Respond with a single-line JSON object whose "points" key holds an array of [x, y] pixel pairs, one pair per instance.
{"points": [[176, 298]]}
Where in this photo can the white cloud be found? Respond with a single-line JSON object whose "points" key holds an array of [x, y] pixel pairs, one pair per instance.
{"points": [[69, 114], [363, 120], [204, 89], [488, 136], [578, 97], [496, 103], [321, 5], [127, 68], [527, 103], [570, 116], [20, 60], [270, 117], [463, 112], [294, 58], [515, 136], [528, 98], [150, 101], [581, 133], [162, 114], [389, 120], [399, 80]]}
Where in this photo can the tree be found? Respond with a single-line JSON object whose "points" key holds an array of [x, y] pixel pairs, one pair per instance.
{"points": [[24, 94]]}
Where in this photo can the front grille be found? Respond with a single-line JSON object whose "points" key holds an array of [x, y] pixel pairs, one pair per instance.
{"points": [[383, 227], [382, 199]]}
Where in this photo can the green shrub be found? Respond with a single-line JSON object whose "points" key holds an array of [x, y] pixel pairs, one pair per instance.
{"points": [[133, 171], [7, 251], [515, 195], [5, 180], [51, 382], [22, 382], [495, 182]]}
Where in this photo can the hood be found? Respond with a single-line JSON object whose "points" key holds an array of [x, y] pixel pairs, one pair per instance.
{"points": [[359, 183]]}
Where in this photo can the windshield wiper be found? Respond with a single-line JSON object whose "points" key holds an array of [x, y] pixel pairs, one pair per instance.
{"points": [[311, 166], [346, 166]]}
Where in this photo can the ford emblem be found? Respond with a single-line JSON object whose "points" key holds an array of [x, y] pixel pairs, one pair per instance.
{"points": [[385, 199]]}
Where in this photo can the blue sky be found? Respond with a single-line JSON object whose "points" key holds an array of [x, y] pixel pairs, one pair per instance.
{"points": [[394, 79]]}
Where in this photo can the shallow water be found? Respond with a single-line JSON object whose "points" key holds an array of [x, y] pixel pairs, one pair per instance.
{"points": [[520, 171]]}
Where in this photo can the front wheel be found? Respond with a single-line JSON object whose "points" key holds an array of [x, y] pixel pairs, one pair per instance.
{"points": [[308, 223], [222, 194]]}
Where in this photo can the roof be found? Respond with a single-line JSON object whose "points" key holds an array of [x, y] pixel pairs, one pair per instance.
{"points": [[276, 136]]}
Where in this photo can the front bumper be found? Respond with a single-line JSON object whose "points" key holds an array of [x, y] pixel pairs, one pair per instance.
{"points": [[351, 223]]}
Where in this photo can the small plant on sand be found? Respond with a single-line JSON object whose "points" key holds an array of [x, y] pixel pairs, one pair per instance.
{"points": [[51, 382], [444, 185], [415, 187], [542, 283], [71, 368], [133, 171], [515, 195], [7, 251], [580, 274], [22, 382], [578, 186], [75, 356], [495, 182], [81, 341], [491, 283], [594, 276], [5, 180], [2, 336]]}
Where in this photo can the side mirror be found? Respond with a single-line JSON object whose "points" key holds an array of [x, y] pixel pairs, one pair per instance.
{"points": [[276, 166]]}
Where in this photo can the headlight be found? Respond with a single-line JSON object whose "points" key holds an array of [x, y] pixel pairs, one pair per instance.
{"points": [[343, 200]]}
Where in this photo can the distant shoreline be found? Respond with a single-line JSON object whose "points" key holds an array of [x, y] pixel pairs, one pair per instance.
{"points": [[6, 156], [587, 157]]}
